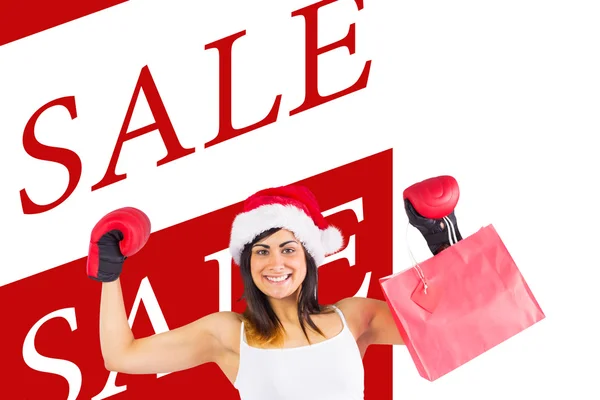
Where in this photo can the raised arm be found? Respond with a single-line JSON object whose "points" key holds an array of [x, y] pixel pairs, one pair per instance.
{"points": [[121, 234], [185, 347]]}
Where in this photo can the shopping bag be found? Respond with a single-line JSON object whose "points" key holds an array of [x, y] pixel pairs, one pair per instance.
{"points": [[460, 303]]}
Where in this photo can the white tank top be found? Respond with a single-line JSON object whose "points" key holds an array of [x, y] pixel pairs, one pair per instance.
{"points": [[328, 370]]}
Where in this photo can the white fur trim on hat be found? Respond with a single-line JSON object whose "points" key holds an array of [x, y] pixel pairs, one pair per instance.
{"points": [[248, 225], [332, 239]]}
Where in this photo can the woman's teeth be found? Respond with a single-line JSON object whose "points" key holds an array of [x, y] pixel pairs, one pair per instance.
{"points": [[277, 279]]}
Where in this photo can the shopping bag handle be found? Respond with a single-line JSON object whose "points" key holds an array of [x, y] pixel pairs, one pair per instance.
{"points": [[416, 266]]}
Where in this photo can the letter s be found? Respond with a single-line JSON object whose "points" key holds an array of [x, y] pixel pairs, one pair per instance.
{"points": [[62, 156], [64, 368]]}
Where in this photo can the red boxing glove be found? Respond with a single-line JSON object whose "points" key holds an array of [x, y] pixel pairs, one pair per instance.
{"points": [[434, 198], [118, 235], [430, 205]]}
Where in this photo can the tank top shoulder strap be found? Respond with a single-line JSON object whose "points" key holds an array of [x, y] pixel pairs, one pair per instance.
{"points": [[341, 314], [242, 335]]}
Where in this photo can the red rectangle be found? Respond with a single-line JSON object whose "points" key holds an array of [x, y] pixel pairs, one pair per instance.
{"points": [[22, 18], [185, 287]]}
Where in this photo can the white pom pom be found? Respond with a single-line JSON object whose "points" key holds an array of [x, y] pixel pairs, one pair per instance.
{"points": [[332, 239]]}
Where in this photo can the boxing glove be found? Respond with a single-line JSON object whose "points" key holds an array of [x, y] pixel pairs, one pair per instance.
{"points": [[429, 205], [118, 235]]}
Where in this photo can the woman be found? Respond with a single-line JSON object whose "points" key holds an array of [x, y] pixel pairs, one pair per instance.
{"points": [[284, 337]]}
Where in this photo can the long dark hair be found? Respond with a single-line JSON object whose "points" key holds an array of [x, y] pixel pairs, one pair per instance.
{"points": [[263, 325]]}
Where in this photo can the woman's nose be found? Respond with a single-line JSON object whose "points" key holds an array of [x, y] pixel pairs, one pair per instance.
{"points": [[276, 262]]}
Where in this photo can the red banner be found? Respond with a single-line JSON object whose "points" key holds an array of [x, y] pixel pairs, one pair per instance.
{"points": [[23, 18], [184, 273]]}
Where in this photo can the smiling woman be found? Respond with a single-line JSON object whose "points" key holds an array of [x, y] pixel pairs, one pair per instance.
{"points": [[274, 267], [279, 267], [285, 335]]}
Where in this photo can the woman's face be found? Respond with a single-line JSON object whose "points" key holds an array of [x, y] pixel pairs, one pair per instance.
{"points": [[278, 264]]}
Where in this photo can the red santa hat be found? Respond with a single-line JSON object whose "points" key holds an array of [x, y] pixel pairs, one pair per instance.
{"points": [[291, 207]]}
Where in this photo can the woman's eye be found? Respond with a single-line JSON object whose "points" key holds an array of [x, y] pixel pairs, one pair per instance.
{"points": [[288, 250], [261, 252]]}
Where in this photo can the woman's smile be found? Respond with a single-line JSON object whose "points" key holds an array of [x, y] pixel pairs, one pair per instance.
{"points": [[277, 279]]}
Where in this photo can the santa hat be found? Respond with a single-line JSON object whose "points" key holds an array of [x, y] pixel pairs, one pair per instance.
{"points": [[291, 207]]}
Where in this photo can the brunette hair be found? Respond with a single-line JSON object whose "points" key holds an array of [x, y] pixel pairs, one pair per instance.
{"points": [[261, 323]]}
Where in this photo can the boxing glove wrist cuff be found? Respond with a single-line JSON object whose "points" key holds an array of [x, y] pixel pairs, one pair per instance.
{"points": [[439, 241]]}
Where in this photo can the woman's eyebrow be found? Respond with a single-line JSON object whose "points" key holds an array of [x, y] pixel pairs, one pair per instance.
{"points": [[266, 246]]}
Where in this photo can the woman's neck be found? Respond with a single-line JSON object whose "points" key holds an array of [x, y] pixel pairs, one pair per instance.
{"points": [[286, 309]]}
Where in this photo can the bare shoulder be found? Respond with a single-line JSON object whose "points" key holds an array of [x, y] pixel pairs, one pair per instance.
{"points": [[350, 305], [226, 317], [358, 311], [225, 326], [358, 305]]}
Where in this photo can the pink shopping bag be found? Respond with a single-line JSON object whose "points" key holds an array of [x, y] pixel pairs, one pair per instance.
{"points": [[460, 303]]}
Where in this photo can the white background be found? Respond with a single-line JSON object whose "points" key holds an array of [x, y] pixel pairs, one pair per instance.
{"points": [[504, 96]]}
